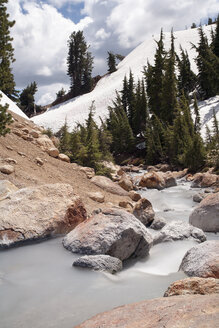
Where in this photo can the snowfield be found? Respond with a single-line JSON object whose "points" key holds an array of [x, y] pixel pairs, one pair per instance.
{"points": [[12, 106]]}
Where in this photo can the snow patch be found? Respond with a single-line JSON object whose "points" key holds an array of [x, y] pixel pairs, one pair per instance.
{"points": [[12, 106]]}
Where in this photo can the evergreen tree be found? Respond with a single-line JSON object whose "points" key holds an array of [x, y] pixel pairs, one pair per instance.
{"points": [[105, 140], [141, 110], [210, 21], [195, 154], [154, 78], [111, 61], [7, 84], [80, 64], [64, 137], [197, 124], [60, 94], [131, 100], [169, 90], [216, 39], [5, 119], [186, 79], [27, 101], [193, 25]]}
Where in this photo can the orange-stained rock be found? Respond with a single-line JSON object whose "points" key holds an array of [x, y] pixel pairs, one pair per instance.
{"points": [[189, 311], [191, 286], [204, 180]]}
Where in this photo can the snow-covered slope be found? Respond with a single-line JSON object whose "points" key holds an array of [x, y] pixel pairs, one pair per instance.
{"points": [[12, 106], [76, 110]]}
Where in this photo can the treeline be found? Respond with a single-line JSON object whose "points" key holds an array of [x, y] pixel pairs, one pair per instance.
{"points": [[155, 112]]}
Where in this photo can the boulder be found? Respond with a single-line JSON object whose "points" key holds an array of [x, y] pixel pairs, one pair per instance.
{"points": [[152, 180], [134, 196], [144, 212], [127, 205], [99, 262], [202, 260], [169, 179], [6, 187], [191, 286], [158, 223], [35, 213], [108, 185], [112, 232], [197, 198], [45, 143], [179, 230], [205, 180], [89, 171], [187, 311], [7, 169], [64, 158], [180, 174], [34, 134], [39, 161], [126, 183], [53, 152], [206, 215], [97, 196], [163, 167]]}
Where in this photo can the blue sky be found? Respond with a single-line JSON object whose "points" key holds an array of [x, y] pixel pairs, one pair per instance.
{"points": [[42, 30]]}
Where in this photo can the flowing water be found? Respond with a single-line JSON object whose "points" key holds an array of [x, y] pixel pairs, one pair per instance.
{"points": [[39, 288]]}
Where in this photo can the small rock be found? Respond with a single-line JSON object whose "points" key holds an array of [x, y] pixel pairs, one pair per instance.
{"points": [[99, 262], [53, 152], [158, 223], [144, 212], [97, 197], [89, 171], [191, 286], [7, 169], [25, 130], [179, 230], [126, 204], [10, 160], [21, 154], [34, 133], [125, 183], [9, 148], [17, 133], [202, 260], [199, 197], [134, 195], [64, 158], [27, 137], [39, 161]]}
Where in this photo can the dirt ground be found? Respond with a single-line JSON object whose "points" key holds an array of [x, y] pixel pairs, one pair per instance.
{"points": [[29, 173]]}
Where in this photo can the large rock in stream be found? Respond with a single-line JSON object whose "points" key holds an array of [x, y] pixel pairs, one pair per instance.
{"points": [[99, 263], [158, 180], [202, 260], [206, 215], [35, 213], [190, 311], [112, 232]]}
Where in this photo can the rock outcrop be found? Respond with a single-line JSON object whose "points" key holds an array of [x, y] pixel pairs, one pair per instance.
{"points": [[99, 263], [108, 185], [35, 213], [202, 260], [179, 230], [206, 215], [144, 212], [112, 232], [205, 180], [192, 286], [6, 187], [189, 311]]}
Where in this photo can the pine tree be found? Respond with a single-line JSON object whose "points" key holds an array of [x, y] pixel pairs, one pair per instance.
{"points": [[193, 25], [80, 64], [216, 39], [105, 140], [195, 154], [169, 90], [197, 124], [27, 101], [186, 79], [60, 94], [131, 100], [64, 137], [154, 78], [124, 95], [7, 84], [5, 119], [111, 61]]}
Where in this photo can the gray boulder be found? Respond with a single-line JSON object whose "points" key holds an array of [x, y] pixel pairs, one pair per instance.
{"points": [[143, 211], [206, 215], [202, 260], [112, 232], [35, 213], [179, 230], [197, 198], [99, 262], [108, 185], [158, 223]]}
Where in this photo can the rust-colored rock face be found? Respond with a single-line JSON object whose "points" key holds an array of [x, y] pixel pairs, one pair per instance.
{"points": [[191, 286], [38, 212], [190, 311]]}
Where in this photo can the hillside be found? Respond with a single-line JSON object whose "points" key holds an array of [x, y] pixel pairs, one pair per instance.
{"points": [[76, 110]]}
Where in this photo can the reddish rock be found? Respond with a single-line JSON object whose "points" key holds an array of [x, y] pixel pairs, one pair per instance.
{"points": [[126, 183], [205, 180], [191, 286], [108, 185], [144, 212], [190, 311], [152, 180]]}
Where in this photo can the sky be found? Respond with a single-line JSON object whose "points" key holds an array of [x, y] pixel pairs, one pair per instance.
{"points": [[42, 30]]}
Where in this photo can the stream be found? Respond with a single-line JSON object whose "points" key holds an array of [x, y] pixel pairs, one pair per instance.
{"points": [[39, 287]]}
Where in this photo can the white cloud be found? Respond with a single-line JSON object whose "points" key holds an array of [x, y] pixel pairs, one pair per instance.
{"points": [[41, 32]]}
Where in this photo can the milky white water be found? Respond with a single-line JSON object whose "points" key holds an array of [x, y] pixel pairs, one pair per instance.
{"points": [[39, 288]]}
